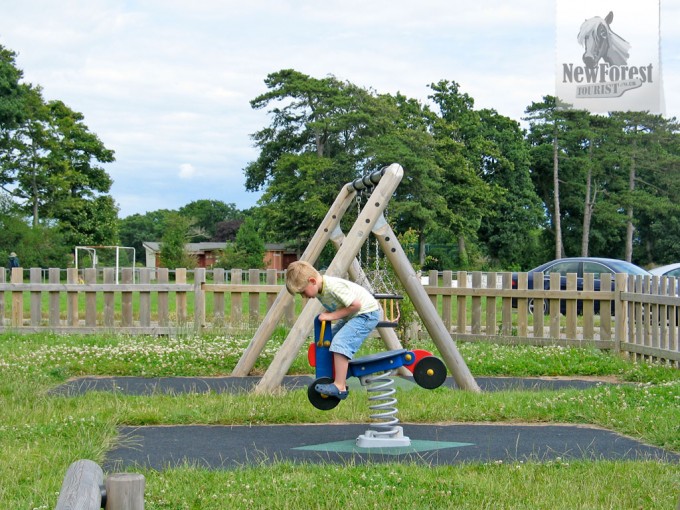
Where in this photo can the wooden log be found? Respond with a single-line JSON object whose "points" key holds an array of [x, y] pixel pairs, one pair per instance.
{"points": [[81, 488], [125, 491]]}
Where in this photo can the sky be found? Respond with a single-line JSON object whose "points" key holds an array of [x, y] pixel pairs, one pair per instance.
{"points": [[167, 84]]}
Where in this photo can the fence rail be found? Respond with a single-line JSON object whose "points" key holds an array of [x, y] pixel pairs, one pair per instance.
{"points": [[633, 314]]}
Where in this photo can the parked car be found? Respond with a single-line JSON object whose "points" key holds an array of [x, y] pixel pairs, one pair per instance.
{"points": [[668, 270], [580, 266]]}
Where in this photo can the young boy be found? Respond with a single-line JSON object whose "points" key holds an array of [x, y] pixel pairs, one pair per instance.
{"points": [[353, 307]]}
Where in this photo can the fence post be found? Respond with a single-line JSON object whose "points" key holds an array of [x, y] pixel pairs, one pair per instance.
{"points": [[35, 276], [181, 296], [127, 278], [447, 300], [218, 298], [109, 297], [145, 298], [620, 320], [163, 276], [125, 491], [90, 274], [199, 299], [254, 297], [17, 276], [72, 316], [54, 311], [3, 276], [236, 298]]}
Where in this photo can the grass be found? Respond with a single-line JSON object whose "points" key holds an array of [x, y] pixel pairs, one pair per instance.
{"points": [[41, 435]]}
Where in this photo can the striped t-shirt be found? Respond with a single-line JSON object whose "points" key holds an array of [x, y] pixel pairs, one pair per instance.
{"points": [[340, 293]]}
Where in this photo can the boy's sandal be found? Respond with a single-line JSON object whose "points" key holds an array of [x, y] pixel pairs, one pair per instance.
{"points": [[331, 390]]}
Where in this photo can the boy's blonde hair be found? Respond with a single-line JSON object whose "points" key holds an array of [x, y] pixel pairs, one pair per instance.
{"points": [[298, 275]]}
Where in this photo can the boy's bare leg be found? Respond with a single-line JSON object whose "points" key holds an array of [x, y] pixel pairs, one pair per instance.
{"points": [[340, 365]]}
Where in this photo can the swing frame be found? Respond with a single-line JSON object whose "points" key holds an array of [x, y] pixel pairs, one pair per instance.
{"points": [[371, 221]]}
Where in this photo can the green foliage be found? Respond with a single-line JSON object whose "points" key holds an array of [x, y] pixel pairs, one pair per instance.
{"points": [[176, 235], [616, 173], [206, 215], [247, 252], [35, 247], [10, 90], [51, 162], [140, 228]]}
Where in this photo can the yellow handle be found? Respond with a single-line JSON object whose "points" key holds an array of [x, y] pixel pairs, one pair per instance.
{"points": [[321, 333]]}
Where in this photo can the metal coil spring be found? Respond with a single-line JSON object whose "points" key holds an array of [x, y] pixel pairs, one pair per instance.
{"points": [[384, 403]]}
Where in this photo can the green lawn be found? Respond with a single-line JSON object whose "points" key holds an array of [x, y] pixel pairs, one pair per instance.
{"points": [[41, 435]]}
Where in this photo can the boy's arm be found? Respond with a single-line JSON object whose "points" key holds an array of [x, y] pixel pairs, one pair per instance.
{"points": [[341, 313]]}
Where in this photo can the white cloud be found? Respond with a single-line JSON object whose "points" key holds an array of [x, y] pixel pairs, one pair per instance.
{"points": [[187, 171]]}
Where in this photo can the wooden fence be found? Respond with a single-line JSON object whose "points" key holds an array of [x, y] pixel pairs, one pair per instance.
{"points": [[637, 315]]}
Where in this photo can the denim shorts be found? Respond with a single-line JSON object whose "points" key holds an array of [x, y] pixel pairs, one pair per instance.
{"points": [[348, 335]]}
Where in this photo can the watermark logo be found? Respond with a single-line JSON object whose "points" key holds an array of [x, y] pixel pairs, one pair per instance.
{"points": [[600, 70]]}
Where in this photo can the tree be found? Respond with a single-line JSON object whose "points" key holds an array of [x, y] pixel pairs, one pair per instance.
{"points": [[247, 251], [173, 243], [307, 153], [11, 92], [461, 153], [136, 229], [400, 131], [511, 230], [648, 154], [227, 230], [545, 127], [207, 214]]}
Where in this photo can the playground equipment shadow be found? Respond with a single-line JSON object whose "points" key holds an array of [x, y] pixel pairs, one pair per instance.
{"points": [[226, 447]]}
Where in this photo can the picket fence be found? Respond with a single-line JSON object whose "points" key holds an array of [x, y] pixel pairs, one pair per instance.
{"points": [[637, 315]]}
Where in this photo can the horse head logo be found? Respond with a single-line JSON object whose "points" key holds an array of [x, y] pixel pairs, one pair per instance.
{"points": [[601, 43]]}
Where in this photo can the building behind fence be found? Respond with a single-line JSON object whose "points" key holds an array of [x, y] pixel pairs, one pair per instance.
{"points": [[637, 315]]}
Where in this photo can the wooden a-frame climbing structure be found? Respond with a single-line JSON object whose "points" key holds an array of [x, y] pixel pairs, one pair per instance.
{"points": [[371, 220]]}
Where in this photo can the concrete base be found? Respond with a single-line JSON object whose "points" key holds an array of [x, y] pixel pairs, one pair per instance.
{"points": [[374, 439]]}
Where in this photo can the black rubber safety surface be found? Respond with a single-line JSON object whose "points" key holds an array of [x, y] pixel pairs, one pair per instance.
{"points": [[226, 447]]}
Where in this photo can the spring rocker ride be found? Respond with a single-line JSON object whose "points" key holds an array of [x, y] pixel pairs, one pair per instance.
{"points": [[375, 372]]}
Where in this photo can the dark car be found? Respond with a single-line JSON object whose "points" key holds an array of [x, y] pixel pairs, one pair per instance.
{"points": [[580, 266]]}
